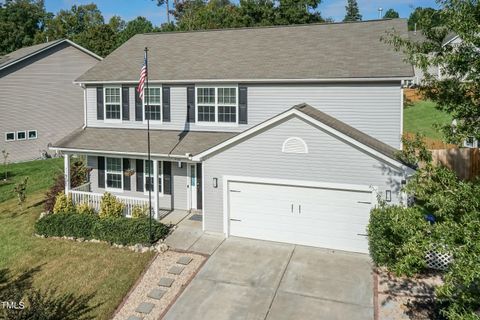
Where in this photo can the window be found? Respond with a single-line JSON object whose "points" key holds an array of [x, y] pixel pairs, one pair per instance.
{"points": [[10, 136], [21, 135], [218, 105], [32, 134], [470, 142], [113, 104], [114, 174], [154, 107], [164, 177]]}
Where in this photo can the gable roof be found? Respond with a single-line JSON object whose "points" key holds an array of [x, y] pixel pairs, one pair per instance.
{"points": [[27, 52], [336, 127], [301, 52], [165, 143]]}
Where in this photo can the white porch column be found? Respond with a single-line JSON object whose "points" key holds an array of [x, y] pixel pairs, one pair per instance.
{"points": [[66, 161], [155, 188]]}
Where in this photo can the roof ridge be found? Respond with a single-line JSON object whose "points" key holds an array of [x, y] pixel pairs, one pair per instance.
{"points": [[270, 27]]}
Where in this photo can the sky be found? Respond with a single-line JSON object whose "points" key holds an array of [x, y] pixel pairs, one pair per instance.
{"points": [[130, 9]]}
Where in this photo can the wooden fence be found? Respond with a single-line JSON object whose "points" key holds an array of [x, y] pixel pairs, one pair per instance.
{"points": [[464, 161], [412, 95]]}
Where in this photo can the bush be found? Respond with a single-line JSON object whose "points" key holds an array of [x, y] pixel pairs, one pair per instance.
{"points": [[115, 230], [63, 204], [110, 207], [84, 208], [139, 212], [399, 238]]}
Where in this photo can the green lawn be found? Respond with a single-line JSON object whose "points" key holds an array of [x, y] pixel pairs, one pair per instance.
{"points": [[40, 175], [81, 269], [421, 117]]}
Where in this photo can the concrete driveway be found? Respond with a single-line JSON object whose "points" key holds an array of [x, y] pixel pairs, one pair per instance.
{"points": [[252, 279]]}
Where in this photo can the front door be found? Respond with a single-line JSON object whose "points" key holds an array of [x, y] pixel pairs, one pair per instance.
{"points": [[193, 186]]}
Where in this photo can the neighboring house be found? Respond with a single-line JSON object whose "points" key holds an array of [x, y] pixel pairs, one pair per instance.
{"points": [[39, 102], [278, 133]]}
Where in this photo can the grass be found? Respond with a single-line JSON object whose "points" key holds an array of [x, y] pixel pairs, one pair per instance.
{"points": [[421, 117], [40, 175], [77, 268]]}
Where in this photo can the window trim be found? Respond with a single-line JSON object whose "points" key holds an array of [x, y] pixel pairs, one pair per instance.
{"points": [[160, 175], [24, 132], [105, 119], [216, 122], [14, 136], [161, 104], [107, 188], [28, 134]]}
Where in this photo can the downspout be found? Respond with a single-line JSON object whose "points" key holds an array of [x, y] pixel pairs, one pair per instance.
{"points": [[84, 106]]}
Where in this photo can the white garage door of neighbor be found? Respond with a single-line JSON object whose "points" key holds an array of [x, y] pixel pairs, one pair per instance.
{"points": [[328, 218]]}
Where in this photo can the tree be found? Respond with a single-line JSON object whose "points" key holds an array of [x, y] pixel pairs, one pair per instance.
{"points": [[352, 12], [20, 21], [457, 92], [133, 27], [422, 17], [297, 12], [5, 155], [391, 14]]}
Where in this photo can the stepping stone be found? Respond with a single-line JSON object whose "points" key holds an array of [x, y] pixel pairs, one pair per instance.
{"points": [[165, 282], [134, 318], [156, 294], [176, 270], [184, 260], [145, 307]]}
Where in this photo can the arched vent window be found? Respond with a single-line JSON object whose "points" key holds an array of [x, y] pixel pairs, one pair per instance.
{"points": [[294, 145]]}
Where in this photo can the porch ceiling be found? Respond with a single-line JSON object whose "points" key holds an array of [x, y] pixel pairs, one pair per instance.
{"points": [[134, 141]]}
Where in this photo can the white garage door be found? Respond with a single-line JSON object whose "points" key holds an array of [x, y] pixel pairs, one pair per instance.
{"points": [[329, 218]]}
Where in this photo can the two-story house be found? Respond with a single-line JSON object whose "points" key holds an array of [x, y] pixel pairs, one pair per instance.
{"points": [[39, 103], [279, 133]]}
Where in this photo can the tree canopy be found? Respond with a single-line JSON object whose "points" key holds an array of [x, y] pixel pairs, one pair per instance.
{"points": [[352, 11], [391, 14], [457, 90], [421, 18]]}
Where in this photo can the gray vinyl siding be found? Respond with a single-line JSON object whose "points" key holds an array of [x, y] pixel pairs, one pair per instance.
{"points": [[329, 160], [374, 108], [178, 199], [39, 94]]}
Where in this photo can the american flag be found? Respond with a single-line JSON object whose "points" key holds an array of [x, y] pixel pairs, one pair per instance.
{"points": [[143, 77]]}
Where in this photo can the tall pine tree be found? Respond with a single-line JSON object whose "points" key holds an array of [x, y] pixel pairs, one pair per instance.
{"points": [[352, 12]]}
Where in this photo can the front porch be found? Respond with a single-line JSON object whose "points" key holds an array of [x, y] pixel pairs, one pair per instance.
{"points": [[174, 193]]}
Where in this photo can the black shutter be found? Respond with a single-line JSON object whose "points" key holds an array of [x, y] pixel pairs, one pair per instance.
{"points": [[125, 103], [191, 104], [242, 105], [127, 185], [138, 107], [100, 103], [167, 177], [101, 171], [139, 170], [166, 104]]}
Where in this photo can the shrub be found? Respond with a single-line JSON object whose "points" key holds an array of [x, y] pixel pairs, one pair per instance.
{"points": [[115, 230], [399, 238], [78, 176], [110, 207], [21, 191], [63, 204], [84, 208], [139, 212]]}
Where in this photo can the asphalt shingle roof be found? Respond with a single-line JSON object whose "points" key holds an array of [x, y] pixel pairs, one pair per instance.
{"points": [[24, 52], [163, 142], [315, 51]]}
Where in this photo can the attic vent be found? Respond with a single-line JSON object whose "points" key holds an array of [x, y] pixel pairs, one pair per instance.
{"points": [[294, 145]]}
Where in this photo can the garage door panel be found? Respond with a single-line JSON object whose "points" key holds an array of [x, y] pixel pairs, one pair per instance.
{"points": [[330, 218]]}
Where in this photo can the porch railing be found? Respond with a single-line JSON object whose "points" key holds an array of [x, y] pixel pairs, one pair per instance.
{"points": [[94, 199], [86, 187]]}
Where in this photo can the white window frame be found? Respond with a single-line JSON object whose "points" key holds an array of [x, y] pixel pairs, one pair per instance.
{"points": [[107, 188], [14, 136], [161, 104], [28, 134], [160, 176], [105, 105], [216, 122], [24, 132]]}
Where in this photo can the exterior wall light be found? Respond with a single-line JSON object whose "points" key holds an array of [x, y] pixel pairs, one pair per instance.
{"points": [[388, 195], [215, 182]]}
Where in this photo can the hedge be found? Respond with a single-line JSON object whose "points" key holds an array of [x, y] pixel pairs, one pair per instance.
{"points": [[123, 231]]}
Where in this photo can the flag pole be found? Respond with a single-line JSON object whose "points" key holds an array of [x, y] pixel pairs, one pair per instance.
{"points": [[147, 113]]}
